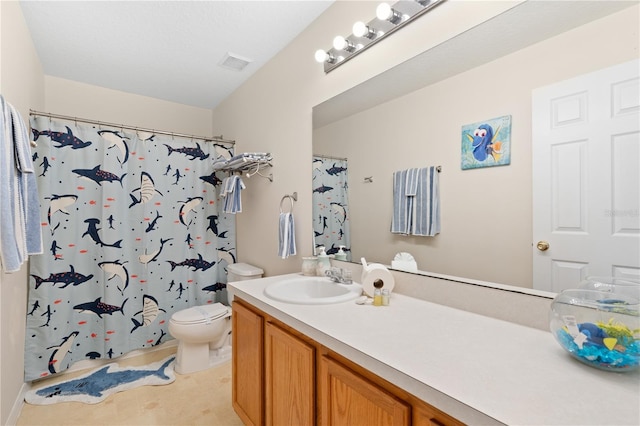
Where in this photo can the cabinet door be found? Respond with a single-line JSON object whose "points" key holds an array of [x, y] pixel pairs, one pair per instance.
{"points": [[290, 384], [347, 398], [248, 377]]}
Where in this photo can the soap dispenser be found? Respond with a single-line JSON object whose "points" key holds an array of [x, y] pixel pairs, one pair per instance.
{"points": [[341, 255], [323, 262]]}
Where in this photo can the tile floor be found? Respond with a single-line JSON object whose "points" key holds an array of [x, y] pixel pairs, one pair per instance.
{"points": [[202, 398]]}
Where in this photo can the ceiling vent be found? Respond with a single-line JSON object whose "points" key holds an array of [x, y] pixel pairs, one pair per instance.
{"points": [[234, 62]]}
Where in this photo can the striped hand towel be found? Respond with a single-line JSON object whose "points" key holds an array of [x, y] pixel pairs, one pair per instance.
{"points": [[416, 202], [230, 190], [287, 237], [426, 206], [20, 231], [400, 218]]}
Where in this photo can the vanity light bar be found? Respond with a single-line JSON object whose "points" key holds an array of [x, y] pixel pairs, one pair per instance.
{"points": [[389, 19]]}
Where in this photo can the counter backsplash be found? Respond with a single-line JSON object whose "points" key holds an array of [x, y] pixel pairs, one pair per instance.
{"points": [[508, 303]]}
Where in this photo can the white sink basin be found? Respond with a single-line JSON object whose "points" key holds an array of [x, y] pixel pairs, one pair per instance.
{"points": [[312, 291]]}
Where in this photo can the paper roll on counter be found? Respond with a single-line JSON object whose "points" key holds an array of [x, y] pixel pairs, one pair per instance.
{"points": [[375, 276]]}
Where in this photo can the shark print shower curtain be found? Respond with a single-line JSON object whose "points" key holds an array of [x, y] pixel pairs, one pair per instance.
{"points": [[330, 205], [133, 231]]}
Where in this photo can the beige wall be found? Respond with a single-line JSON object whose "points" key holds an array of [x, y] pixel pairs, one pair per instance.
{"points": [[22, 85], [272, 112], [76, 99], [487, 213]]}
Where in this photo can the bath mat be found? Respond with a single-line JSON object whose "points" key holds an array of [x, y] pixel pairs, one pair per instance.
{"points": [[98, 384]]}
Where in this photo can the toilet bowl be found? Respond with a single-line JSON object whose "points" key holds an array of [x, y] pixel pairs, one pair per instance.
{"points": [[204, 337]]}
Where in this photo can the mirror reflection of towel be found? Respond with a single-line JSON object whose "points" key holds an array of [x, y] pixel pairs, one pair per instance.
{"points": [[399, 219], [416, 202]]}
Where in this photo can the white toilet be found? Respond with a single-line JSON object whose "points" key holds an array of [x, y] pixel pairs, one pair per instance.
{"points": [[204, 332]]}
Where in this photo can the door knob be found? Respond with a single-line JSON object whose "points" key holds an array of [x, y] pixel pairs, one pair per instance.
{"points": [[542, 245]]}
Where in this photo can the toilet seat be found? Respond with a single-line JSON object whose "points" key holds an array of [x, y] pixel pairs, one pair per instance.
{"points": [[200, 314]]}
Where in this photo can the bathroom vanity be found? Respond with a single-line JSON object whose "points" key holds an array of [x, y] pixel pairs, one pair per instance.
{"points": [[412, 362]]}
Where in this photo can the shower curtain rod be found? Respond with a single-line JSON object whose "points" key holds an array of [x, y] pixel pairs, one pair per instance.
{"points": [[328, 157], [217, 139]]}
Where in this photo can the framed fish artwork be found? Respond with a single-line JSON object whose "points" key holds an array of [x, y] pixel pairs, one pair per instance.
{"points": [[486, 143]]}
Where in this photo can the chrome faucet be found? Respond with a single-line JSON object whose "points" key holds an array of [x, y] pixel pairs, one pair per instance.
{"points": [[339, 275]]}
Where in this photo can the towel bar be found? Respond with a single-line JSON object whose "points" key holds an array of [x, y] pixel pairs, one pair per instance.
{"points": [[293, 197]]}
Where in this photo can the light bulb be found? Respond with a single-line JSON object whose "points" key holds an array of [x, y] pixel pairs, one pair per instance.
{"points": [[321, 56], [384, 11], [339, 43], [360, 29]]}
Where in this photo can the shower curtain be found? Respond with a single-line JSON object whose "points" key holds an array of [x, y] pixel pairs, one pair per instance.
{"points": [[133, 231], [331, 205]]}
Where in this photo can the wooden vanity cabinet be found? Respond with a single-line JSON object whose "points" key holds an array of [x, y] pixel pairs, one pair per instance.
{"points": [[342, 382], [273, 371], [281, 377], [346, 398], [425, 415], [290, 378], [247, 365]]}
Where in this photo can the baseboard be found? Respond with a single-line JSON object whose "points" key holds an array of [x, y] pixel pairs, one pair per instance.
{"points": [[12, 420]]}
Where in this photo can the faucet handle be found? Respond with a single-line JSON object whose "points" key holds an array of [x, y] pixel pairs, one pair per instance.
{"points": [[339, 275]]}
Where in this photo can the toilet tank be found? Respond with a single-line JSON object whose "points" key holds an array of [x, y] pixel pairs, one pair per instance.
{"points": [[242, 272]]}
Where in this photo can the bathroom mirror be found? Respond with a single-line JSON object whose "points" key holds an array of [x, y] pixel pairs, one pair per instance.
{"points": [[413, 115]]}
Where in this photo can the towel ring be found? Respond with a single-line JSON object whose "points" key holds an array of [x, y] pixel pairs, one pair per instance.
{"points": [[291, 198]]}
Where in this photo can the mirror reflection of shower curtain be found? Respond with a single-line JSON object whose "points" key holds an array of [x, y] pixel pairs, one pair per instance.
{"points": [[331, 205], [133, 231]]}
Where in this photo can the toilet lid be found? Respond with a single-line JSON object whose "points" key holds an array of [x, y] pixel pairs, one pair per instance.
{"points": [[198, 314]]}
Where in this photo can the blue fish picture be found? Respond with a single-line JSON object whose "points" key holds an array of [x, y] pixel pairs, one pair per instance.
{"points": [[486, 143]]}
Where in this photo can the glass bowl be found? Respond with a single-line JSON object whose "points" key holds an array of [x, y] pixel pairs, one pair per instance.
{"points": [[600, 329], [628, 286]]}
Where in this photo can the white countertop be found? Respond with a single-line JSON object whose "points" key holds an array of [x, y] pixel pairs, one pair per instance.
{"points": [[477, 369]]}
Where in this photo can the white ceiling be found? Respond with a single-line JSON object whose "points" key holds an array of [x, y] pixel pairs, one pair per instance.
{"points": [[168, 50]]}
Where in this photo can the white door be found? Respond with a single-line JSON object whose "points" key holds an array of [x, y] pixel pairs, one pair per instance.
{"points": [[586, 178]]}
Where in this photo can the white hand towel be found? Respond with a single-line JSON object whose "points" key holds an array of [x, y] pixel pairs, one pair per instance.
{"points": [[287, 238]]}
